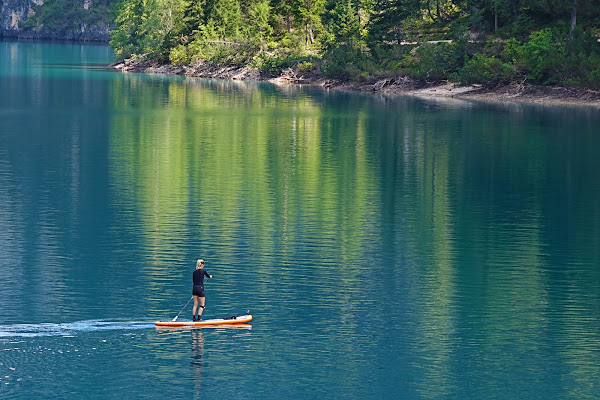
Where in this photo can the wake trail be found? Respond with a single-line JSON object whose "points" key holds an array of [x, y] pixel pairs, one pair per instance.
{"points": [[70, 328]]}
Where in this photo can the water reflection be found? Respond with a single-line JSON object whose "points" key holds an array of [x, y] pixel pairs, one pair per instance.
{"points": [[455, 247], [197, 361]]}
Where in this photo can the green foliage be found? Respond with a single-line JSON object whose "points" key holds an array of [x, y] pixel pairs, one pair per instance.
{"points": [[592, 75], [304, 66], [434, 61], [62, 16], [143, 27], [126, 38], [485, 70], [307, 17], [357, 38], [271, 64], [550, 57], [346, 62], [225, 19], [258, 28], [342, 23], [387, 17], [521, 28], [542, 57], [180, 55], [222, 52]]}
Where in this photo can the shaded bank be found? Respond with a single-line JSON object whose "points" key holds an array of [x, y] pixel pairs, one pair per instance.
{"points": [[399, 85]]}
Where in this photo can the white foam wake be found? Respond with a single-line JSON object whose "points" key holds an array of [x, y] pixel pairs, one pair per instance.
{"points": [[70, 328]]}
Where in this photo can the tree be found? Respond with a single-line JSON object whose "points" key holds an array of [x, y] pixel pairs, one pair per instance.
{"points": [[257, 21], [284, 9], [127, 35], [308, 13], [342, 22], [193, 17], [387, 17]]}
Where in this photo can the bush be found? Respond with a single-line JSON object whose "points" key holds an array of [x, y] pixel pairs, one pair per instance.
{"points": [[271, 64], [304, 66], [484, 70], [389, 55], [543, 56], [180, 55], [588, 74], [593, 76], [524, 25], [345, 62], [435, 61], [549, 58], [221, 52], [291, 41]]}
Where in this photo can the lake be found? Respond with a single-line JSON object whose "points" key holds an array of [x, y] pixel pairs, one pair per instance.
{"points": [[387, 247]]}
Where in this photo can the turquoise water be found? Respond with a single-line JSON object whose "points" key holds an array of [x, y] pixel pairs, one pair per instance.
{"points": [[387, 247]]}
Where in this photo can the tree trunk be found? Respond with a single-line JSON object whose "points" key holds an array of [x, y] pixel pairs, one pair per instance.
{"points": [[573, 19], [429, 11], [437, 10], [495, 20], [310, 39]]}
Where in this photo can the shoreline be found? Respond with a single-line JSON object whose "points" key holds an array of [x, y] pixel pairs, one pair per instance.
{"points": [[517, 93]]}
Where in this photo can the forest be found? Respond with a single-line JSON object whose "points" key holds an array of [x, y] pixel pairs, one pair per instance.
{"points": [[491, 42]]}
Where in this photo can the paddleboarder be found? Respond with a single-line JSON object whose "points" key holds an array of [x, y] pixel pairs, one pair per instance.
{"points": [[198, 289]]}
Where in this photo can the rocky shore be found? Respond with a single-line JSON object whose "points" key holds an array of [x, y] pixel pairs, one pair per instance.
{"points": [[399, 85]]}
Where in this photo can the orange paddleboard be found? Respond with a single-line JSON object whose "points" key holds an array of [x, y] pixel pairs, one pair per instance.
{"points": [[219, 321]]}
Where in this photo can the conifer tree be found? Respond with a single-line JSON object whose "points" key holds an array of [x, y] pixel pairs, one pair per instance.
{"points": [[257, 15], [225, 19], [342, 22], [307, 14], [387, 17]]}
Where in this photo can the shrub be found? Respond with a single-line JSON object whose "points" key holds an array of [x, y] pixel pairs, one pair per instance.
{"points": [[345, 62], [485, 70], [550, 58], [593, 76], [435, 61], [222, 52], [268, 64], [511, 51], [588, 73], [543, 56], [304, 66], [180, 55]]}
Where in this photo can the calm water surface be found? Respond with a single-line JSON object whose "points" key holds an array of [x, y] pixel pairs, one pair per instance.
{"points": [[388, 248]]}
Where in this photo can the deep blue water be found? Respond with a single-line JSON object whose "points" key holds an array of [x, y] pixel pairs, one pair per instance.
{"points": [[387, 247]]}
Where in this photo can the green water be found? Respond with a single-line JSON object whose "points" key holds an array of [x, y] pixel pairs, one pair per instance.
{"points": [[387, 247]]}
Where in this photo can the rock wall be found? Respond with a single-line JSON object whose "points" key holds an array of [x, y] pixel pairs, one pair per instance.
{"points": [[15, 13]]}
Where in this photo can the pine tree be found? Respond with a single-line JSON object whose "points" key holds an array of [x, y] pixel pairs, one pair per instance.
{"points": [[387, 17], [257, 16], [307, 14], [225, 18], [342, 22]]}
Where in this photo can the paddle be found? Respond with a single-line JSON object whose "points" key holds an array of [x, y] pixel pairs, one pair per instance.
{"points": [[186, 304]]}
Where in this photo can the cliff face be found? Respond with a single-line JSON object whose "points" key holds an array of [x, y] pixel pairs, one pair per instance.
{"points": [[86, 20]]}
